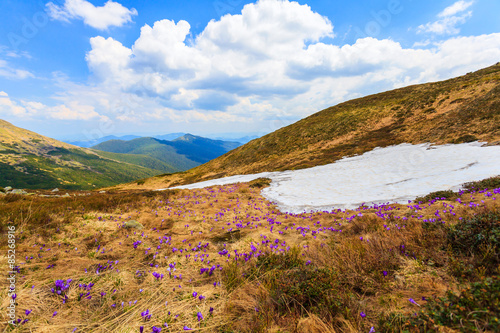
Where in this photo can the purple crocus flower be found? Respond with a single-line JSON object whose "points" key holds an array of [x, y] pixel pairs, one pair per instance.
{"points": [[185, 328], [362, 314], [413, 301], [141, 329], [156, 329], [200, 316]]}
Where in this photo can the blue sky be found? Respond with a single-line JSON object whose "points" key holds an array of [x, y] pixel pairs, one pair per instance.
{"points": [[82, 69]]}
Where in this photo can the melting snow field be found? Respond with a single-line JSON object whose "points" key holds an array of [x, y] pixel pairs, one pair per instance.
{"points": [[392, 174]]}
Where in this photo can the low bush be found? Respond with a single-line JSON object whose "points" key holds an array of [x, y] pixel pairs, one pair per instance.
{"points": [[304, 289], [479, 237], [449, 195], [488, 183], [475, 309], [260, 182]]}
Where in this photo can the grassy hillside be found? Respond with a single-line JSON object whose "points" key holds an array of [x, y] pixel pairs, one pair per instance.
{"points": [[224, 259], [30, 160], [140, 160], [458, 110], [182, 153]]}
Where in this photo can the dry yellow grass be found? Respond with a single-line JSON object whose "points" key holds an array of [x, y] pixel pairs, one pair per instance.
{"points": [[81, 237]]}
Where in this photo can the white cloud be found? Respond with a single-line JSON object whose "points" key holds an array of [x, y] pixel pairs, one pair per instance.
{"points": [[272, 64], [449, 21], [109, 15], [31, 109], [74, 111], [456, 8], [10, 107], [9, 72]]}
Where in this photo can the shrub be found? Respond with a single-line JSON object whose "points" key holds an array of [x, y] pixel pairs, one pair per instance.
{"points": [[260, 182], [472, 235], [488, 183], [448, 194], [475, 309], [305, 288], [297, 286], [478, 236], [466, 138]]}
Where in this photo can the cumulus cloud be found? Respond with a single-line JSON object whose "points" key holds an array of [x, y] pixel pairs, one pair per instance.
{"points": [[276, 59], [450, 18], [109, 15]]}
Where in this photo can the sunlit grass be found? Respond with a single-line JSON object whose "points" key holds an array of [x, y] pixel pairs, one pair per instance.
{"points": [[224, 259]]}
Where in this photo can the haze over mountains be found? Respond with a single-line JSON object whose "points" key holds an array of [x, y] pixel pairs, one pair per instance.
{"points": [[232, 137]]}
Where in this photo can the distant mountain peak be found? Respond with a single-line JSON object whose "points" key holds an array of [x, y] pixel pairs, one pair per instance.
{"points": [[188, 137]]}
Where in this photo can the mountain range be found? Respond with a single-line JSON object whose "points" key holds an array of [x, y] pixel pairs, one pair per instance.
{"points": [[93, 142], [29, 160], [182, 153], [232, 137]]}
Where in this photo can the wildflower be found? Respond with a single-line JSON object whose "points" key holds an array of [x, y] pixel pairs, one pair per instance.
{"points": [[156, 329], [362, 314], [413, 301], [385, 273], [372, 330], [55, 313], [185, 328], [141, 329], [200, 316]]}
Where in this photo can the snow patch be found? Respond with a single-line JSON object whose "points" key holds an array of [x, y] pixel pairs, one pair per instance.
{"points": [[392, 174]]}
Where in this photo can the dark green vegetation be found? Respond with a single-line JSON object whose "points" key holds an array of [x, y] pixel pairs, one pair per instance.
{"points": [[458, 110], [488, 183], [32, 161], [93, 171], [180, 154], [474, 260], [475, 309]]}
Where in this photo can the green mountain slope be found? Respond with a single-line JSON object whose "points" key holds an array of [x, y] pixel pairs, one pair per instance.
{"points": [[30, 160], [140, 160], [461, 109], [182, 153]]}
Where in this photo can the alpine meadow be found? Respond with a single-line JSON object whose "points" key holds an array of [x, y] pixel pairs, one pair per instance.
{"points": [[249, 166]]}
